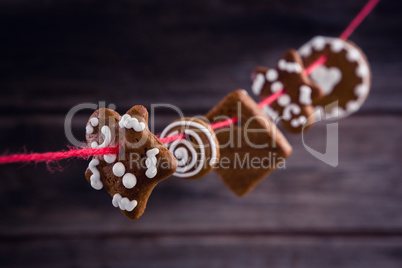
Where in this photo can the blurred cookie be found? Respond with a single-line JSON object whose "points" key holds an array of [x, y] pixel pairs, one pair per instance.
{"points": [[294, 107], [345, 77], [251, 148]]}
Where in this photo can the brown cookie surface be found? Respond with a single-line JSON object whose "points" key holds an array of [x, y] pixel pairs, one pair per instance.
{"points": [[197, 153], [294, 107], [143, 161], [251, 148], [345, 77]]}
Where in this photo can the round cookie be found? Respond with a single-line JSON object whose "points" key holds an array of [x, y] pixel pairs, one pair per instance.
{"points": [[198, 153], [345, 77]]}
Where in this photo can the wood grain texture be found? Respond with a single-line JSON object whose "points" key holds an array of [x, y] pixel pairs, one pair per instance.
{"points": [[57, 54]]}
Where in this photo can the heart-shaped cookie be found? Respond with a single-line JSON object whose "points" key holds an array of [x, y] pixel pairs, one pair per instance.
{"points": [[143, 160]]}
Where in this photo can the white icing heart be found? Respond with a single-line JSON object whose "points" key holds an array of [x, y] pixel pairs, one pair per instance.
{"points": [[326, 78]]}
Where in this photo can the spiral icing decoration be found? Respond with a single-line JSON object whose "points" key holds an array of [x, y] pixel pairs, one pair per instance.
{"points": [[198, 153]]}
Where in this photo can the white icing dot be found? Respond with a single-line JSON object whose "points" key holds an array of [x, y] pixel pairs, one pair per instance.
{"points": [[130, 204], [284, 100], [318, 43], [336, 45], [271, 75], [270, 112], [305, 51], [119, 169], [282, 64], [276, 87], [352, 106], [294, 123], [305, 95], [302, 119], [336, 112], [89, 129], [362, 70], [352, 55], [361, 89], [129, 180], [319, 113], [297, 68], [258, 84], [94, 144], [110, 158], [116, 200], [94, 121]]}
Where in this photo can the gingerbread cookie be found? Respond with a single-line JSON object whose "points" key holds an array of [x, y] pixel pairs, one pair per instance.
{"points": [[294, 107], [345, 77], [198, 153], [143, 161], [251, 148]]}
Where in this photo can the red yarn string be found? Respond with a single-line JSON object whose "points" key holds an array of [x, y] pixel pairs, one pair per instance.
{"points": [[225, 123], [358, 19], [86, 152], [53, 156]]}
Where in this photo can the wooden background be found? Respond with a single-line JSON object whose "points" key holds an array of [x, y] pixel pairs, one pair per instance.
{"points": [[56, 54]]}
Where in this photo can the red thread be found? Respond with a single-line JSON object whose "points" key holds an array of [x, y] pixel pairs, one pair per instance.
{"points": [[82, 153], [358, 19], [222, 124], [271, 99], [169, 139], [53, 156], [225, 123], [320, 61]]}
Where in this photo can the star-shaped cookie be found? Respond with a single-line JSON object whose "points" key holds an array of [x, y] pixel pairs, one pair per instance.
{"points": [[143, 161]]}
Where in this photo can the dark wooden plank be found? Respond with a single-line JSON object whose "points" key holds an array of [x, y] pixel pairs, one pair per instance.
{"points": [[205, 251], [362, 194], [56, 55]]}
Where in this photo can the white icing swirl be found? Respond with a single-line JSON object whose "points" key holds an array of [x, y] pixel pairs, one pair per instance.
{"points": [[130, 122], [124, 203], [108, 138], [290, 67], [289, 110], [183, 149], [151, 162], [95, 177]]}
